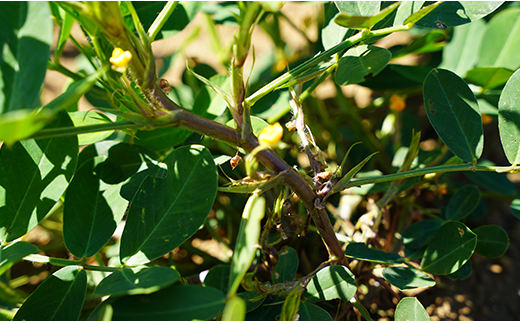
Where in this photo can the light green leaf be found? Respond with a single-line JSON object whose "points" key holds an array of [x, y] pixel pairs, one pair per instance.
{"points": [[500, 48], [455, 13], [33, 176], [66, 27], [488, 77], [515, 208], [360, 61], [11, 254], [137, 280], [453, 112], [410, 309], [463, 202], [509, 119], [449, 249], [59, 298], [165, 212], [247, 241], [407, 278], [405, 10], [26, 38], [235, 309], [88, 118], [361, 14], [330, 283], [359, 250], [492, 241]]}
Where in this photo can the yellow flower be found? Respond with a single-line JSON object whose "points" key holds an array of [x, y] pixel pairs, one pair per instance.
{"points": [[120, 57], [271, 134], [397, 103]]}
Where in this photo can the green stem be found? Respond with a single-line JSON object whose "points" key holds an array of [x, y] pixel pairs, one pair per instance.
{"points": [[66, 262], [161, 19], [71, 131], [101, 268]]}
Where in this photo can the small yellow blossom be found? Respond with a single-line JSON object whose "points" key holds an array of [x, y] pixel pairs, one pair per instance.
{"points": [[120, 57], [486, 119], [271, 134], [397, 103]]}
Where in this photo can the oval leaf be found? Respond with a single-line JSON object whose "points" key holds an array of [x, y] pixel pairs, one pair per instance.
{"points": [[11, 254], [311, 312], [235, 309], [33, 176], [509, 119], [462, 273], [360, 61], [361, 251], [137, 280], [331, 282], [27, 34], [455, 13], [407, 278], [492, 241], [361, 14], [286, 267], [450, 248], [488, 77], [515, 208], [59, 298], [418, 234], [165, 212], [410, 309], [218, 277], [463, 202], [178, 302], [453, 112]]}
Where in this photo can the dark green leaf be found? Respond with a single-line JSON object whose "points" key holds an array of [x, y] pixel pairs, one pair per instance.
{"points": [[286, 267], [509, 119], [454, 13], [360, 61], [361, 251], [459, 55], [492, 241], [26, 38], [419, 234], [413, 254], [311, 312], [137, 280], [407, 278], [410, 309], [499, 48], [462, 273], [269, 311], [463, 202], [178, 302], [11, 254], [488, 77], [166, 212], [431, 42], [33, 176], [331, 282], [162, 138], [515, 208], [218, 277], [361, 14], [247, 241], [453, 112], [59, 298], [450, 248], [490, 181], [252, 299]]}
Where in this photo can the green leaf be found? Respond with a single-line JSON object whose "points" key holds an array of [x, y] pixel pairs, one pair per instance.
{"points": [[33, 176], [247, 240], [463, 202], [333, 34], [66, 27], [178, 302], [432, 42], [419, 14], [348, 176], [286, 267], [413, 254], [361, 14], [459, 55], [360, 61], [462, 273], [235, 309], [450, 248], [137, 280], [405, 10], [361, 251], [162, 138], [453, 112], [331, 282], [410, 309], [251, 299], [218, 277], [499, 48], [13, 253], [407, 278], [488, 77], [492, 241], [311, 312], [26, 38], [419, 234], [165, 212], [490, 181], [515, 208], [88, 118], [93, 206], [509, 119], [59, 298], [257, 124], [455, 13]]}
